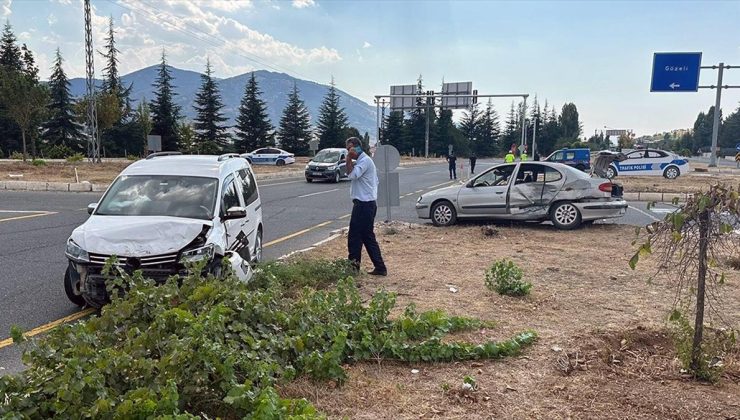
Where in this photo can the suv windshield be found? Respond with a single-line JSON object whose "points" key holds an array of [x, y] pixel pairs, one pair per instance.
{"points": [[327, 157], [160, 195]]}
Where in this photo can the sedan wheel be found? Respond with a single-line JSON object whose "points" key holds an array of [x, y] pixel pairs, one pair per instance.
{"points": [[444, 214], [611, 173], [671, 172], [565, 216], [280, 162]]}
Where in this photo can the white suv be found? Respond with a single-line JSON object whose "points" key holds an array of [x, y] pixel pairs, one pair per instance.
{"points": [[162, 212]]}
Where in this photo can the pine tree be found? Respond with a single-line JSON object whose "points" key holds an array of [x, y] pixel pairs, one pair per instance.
{"points": [[446, 134], [570, 127], [61, 128], [512, 133], [393, 132], [165, 113], [470, 126], [10, 54], [253, 127], [111, 77], [489, 133], [211, 132], [295, 125], [415, 138], [11, 61], [29, 64], [332, 120]]}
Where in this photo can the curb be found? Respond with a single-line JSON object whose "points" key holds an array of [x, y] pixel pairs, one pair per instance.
{"points": [[332, 237], [665, 197], [90, 187]]}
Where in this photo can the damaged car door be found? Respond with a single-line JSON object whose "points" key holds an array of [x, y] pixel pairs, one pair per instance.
{"points": [[234, 214], [485, 195], [535, 187]]}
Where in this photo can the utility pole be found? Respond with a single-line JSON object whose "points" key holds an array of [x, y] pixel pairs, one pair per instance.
{"points": [[92, 118], [717, 101]]}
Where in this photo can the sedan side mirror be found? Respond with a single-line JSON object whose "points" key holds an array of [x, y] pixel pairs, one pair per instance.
{"points": [[470, 183], [235, 213], [91, 208]]}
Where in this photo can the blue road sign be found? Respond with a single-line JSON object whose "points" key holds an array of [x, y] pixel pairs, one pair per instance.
{"points": [[676, 72], [737, 147]]}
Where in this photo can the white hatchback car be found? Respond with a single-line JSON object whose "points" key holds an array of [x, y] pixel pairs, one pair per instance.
{"points": [[165, 211], [649, 162], [269, 156]]}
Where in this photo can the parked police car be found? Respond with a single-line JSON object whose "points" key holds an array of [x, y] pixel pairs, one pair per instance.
{"points": [[649, 162], [269, 156]]}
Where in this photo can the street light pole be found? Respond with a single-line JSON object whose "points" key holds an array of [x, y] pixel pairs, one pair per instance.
{"points": [[715, 125]]}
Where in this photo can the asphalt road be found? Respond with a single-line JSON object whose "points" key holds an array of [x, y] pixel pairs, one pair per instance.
{"points": [[34, 227]]}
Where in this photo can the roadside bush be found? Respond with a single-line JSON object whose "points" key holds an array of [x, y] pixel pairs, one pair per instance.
{"points": [[300, 273], [58, 151], [216, 347], [505, 278], [713, 349], [132, 157], [685, 153], [17, 156], [38, 162], [77, 157]]}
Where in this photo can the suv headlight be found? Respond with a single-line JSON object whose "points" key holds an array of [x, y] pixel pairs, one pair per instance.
{"points": [[198, 254], [75, 252], [331, 168]]}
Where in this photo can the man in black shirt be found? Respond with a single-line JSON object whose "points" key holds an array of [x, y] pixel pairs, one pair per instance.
{"points": [[452, 160]]}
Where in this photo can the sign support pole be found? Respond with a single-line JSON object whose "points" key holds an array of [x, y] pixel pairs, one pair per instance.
{"points": [[715, 124], [387, 185]]}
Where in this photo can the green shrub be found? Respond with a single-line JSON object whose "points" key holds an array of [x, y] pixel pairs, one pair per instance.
{"points": [[17, 156], [38, 162], [218, 347], [716, 343], [132, 157], [77, 157], [505, 278], [58, 151], [300, 273], [685, 153]]}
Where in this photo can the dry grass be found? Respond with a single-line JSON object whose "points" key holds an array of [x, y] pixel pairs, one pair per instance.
{"points": [[105, 173], [603, 351]]}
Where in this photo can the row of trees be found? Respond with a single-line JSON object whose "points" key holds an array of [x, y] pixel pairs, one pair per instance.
{"points": [[479, 130], [51, 121]]}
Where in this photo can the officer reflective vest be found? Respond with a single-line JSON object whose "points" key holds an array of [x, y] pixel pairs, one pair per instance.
{"points": [[509, 158], [524, 156]]}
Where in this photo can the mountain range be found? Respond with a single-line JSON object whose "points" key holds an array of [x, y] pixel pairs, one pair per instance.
{"points": [[275, 88]]}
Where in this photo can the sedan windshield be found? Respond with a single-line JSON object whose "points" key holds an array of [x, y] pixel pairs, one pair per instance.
{"points": [[327, 157], [160, 195]]}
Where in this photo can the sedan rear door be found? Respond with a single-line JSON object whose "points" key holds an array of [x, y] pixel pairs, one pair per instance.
{"points": [[536, 185]]}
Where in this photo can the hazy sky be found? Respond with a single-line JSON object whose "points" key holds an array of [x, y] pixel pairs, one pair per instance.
{"points": [[596, 54]]}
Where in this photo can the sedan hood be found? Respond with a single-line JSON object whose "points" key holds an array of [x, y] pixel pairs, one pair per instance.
{"points": [[133, 236], [450, 191], [321, 165]]}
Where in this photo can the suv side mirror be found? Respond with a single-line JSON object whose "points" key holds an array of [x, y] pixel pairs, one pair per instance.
{"points": [[235, 213], [91, 208]]}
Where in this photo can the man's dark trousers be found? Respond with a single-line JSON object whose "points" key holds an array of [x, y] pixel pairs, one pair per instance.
{"points": [[453, 171], [361, 233], [472, 165]]}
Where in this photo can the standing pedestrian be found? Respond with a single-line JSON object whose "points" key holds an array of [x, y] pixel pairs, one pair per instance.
{"points": [[473, 158], [524, 156], [452, 159], [509, 158], [364, 192]]}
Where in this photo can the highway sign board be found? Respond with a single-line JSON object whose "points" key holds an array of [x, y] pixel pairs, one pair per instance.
{"points": [[402, 103], [154, 143], [457, 88], [675, 72]]}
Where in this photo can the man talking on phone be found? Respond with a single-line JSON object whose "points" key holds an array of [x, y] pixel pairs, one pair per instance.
{"points": [[363, 191]]}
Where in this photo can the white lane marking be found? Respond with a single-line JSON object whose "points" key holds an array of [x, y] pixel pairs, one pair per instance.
{"points": [[278, 183], [317, 193], [439, 185], [418, 191], [24, 211], [664, 211], [433, 172], [646, 214]]}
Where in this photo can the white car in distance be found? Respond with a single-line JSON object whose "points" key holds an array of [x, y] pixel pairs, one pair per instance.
{"points": [[269, 156], [649, 162]]}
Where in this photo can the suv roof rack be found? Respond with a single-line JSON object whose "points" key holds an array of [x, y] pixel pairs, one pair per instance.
{"points": [[228, 156], [159, 154]]}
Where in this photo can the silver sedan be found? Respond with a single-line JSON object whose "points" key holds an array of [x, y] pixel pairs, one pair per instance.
{"points": [[529, 191]]}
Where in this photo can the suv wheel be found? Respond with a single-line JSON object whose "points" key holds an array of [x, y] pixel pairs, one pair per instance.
{"points": [[444, 214], [611, 173], [671, 172], [565, 215], [257, 255], [337, 177], [309, 180], [280, 162], [73, 285]]}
